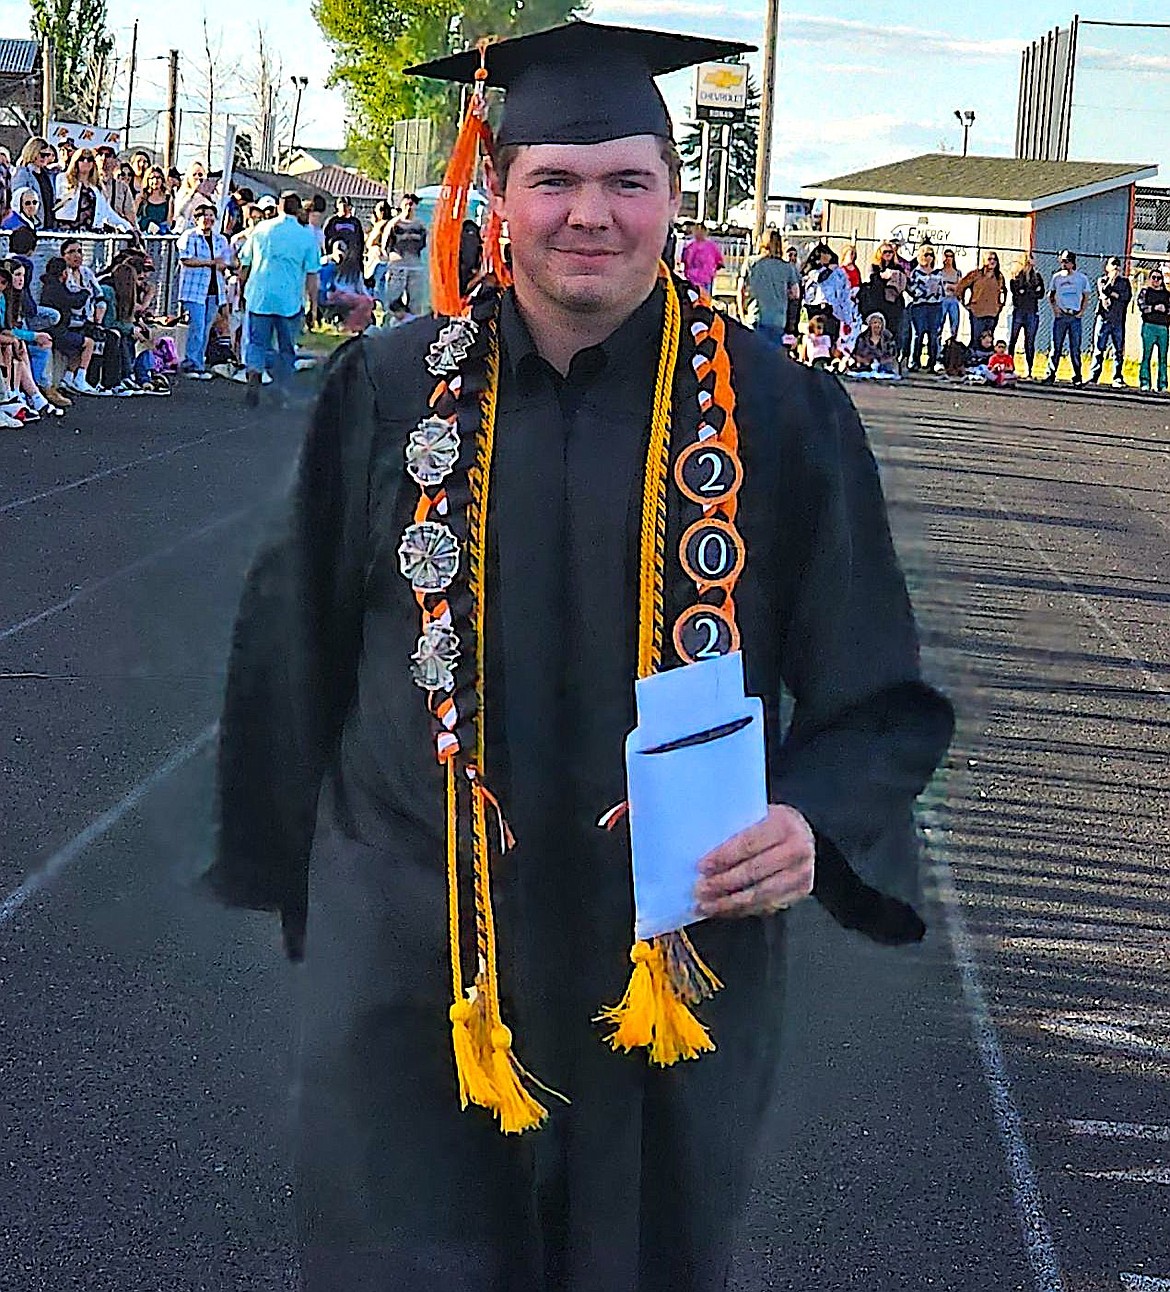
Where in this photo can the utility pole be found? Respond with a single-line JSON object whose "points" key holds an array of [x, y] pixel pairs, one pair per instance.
{"points": [[48, 78], [172, 107], [130, 83], [724, 174], [704, 173], [767, 110], [300, 84]]}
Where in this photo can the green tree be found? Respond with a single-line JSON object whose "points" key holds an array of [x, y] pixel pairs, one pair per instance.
{"points": [[373, 41], [741, 179], [82, 50]]}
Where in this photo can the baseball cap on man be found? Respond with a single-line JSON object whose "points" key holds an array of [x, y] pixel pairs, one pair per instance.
{"points": [[267, 202]]}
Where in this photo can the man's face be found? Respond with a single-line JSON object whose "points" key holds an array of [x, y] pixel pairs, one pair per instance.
{"points": [[205, 219], [587, 222], [344, 210], [791, 255], [409, 207], [72, 256]]}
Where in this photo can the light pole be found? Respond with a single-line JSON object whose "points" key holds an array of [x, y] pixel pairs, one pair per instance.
{"points": [[300, 84], [965, 118]]}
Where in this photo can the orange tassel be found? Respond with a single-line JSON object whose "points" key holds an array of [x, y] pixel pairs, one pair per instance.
{"points": [[447, 222]]}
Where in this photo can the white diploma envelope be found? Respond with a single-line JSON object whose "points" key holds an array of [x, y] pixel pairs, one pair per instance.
{"points": [[696, 776]]}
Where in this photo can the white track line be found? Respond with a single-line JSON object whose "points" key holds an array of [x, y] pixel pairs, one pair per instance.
{"points": [[1026, 1195], [17, 503], [1120, 1130], [1143, 1283], [67, 855], [143, 561]]}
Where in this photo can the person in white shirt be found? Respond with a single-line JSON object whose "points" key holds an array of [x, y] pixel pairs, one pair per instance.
{"points": [[1068, 294]]}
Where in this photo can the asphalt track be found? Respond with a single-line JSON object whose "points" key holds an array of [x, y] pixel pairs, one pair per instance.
{"points": [[988, 1111]]}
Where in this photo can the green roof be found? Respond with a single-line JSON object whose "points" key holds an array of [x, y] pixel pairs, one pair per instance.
{"points": [[991, 179]]}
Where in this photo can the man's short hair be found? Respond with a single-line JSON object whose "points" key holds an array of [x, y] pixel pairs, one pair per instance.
{"points": [[290, 203], [204, 209], [344, 201], [318, 203], [70, 242], [1068, 255]]}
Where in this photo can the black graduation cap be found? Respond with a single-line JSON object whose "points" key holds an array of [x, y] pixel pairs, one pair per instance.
{"points": [[581, 82]]}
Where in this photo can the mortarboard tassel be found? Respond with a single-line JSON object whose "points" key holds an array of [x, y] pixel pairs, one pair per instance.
{"points": [[447, 223]]}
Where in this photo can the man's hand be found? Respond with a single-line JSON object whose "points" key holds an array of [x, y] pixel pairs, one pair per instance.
{"points": [[761, 870]]}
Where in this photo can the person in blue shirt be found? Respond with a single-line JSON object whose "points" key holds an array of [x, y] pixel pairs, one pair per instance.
{"points": [[279, 264]]}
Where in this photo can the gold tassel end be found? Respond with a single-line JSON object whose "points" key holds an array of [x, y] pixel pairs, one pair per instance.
{"points": [[475, 1084], [653, 1012], [515, 1108]]}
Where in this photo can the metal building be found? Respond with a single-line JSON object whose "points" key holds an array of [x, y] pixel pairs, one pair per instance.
{"points": [[978, 204]]}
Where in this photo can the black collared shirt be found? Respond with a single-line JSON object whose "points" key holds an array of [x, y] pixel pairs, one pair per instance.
{"points": [[567, 474]]}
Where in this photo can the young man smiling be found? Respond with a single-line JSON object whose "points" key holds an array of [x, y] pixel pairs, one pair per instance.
{"points": [[562, 492]]}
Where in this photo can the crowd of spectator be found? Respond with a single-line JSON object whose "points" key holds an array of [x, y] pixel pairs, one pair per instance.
{"points": [[901, 315]]}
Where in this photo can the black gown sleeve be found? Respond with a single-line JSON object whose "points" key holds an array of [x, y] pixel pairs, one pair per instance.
{"points": [[866, 732], [294, 658]]}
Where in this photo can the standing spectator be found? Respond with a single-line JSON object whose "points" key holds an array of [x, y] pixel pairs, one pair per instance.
{"points": [[766, 284], [375, 261], [796, 296], [1068, 295], [1114, 293], [140, 165], [701, 259], [191, 195], [407, 235], [316, 223], [154, 208], [1154, 307], [5, 181], [203, 260], [886, 288], [1027, 288], [278, 270], [950, 305], [346, 227], [827, 296], [26, 210], [65, 153], [81, 203], [849, 265], [926, 290], [984, 293], [118, 192], [33, 170]]}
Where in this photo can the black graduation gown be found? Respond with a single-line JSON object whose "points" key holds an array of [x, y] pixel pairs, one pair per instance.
{"points": [[331, 807]]}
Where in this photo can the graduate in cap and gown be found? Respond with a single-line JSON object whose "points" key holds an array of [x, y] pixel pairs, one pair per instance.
{"points": [[577, 476]]}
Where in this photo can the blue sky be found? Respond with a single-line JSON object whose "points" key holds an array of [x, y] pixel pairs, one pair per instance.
{"points": [[859, 85]]}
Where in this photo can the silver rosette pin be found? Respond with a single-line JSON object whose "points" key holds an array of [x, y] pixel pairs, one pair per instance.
{"points": [[432, 450], [433, 662], [451, 346], [428, 556]]}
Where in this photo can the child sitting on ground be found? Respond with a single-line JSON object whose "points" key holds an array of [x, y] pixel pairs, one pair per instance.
{"points": [[990, 363], [816, 349]]}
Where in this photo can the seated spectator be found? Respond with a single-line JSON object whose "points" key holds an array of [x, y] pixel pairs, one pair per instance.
{"points": [[69, 336], [981, 350], [154, 208], [5, 181], [342, 288], [1002, 365], [118, 192], [119, 287], [26, 210], [81, 204], [816, 347], [33, 170], [106, 370], [989, 362], [37, 319], [21, 398], [876, 351]]}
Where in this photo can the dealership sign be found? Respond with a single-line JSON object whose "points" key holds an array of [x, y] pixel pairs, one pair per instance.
{"points": [[721, 92]]}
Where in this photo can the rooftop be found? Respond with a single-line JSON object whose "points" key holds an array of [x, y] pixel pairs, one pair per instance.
{"points": [[19, 57], [987, 183], [337, 181]]}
